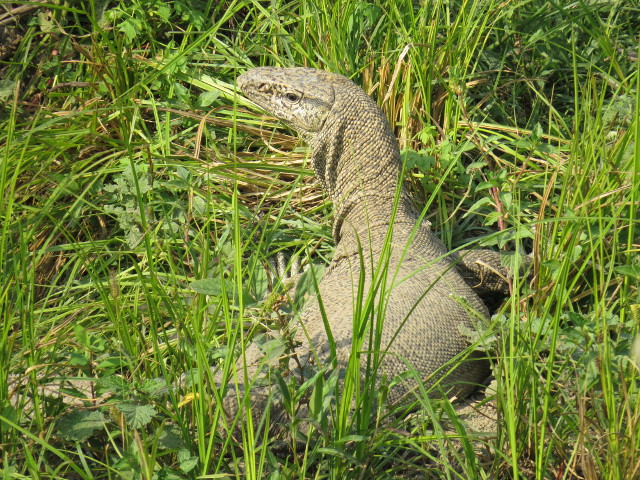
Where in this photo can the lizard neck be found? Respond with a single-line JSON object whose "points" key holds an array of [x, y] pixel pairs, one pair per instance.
{"points": [[357, 160], [365, 215]]}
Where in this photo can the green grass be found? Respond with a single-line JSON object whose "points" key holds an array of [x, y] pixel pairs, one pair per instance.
{"points": [[141, 201]]}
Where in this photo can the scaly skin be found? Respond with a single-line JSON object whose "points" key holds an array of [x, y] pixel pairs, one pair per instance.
{"points": [[425, 300]]}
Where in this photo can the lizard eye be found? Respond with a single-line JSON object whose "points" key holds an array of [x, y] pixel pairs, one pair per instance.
{"points": [[292, 96]]}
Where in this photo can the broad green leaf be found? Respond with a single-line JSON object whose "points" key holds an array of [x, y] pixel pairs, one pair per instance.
{"points": [[79, 425], [136, 415]]}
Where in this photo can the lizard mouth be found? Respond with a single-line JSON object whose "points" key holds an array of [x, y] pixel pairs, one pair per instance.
{"points": [[246, 85], [259, 93]]}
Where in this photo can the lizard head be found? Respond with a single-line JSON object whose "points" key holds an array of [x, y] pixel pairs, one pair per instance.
{"points": [[300, 97], [348, 133]]}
